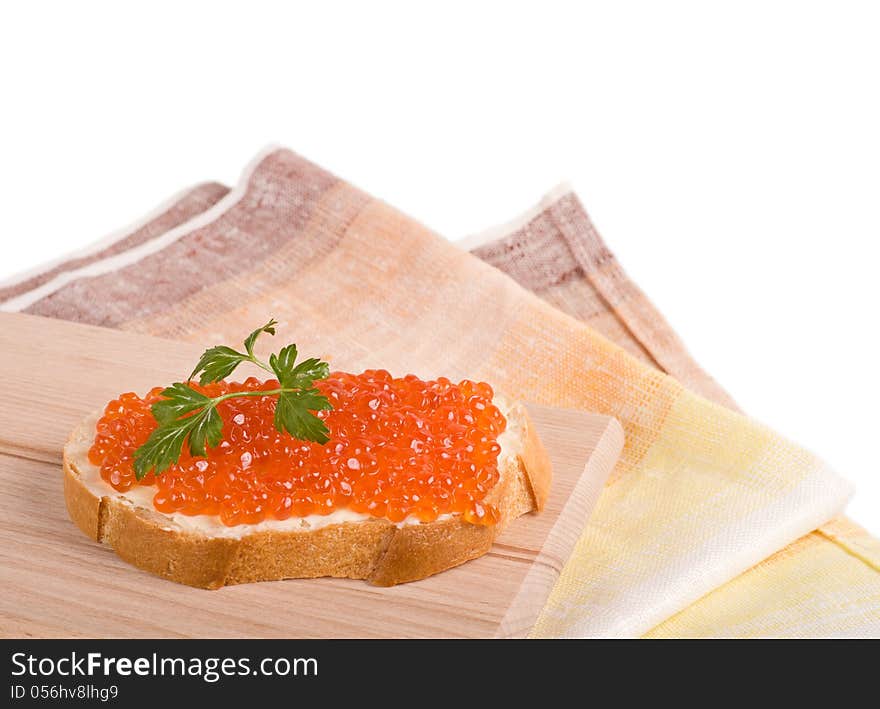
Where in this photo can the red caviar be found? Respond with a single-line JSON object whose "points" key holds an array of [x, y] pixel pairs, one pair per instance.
{"points": [[398, 447]]}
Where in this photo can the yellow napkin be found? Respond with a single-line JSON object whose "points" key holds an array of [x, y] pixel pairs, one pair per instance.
{"points": [[826, 583]]}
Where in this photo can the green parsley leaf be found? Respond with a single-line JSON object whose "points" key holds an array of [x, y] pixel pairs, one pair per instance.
{"points": [[178, 400], [293, 414], [163, 447], [252, 338], [208, 429], [293, 410], [283, 363], [301, 375], [308, 371], [217, 363], [186, 416]]}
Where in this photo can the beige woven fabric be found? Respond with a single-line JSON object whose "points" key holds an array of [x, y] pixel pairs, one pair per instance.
{"points": [[555, 252], [825, 584], [701, 493]]}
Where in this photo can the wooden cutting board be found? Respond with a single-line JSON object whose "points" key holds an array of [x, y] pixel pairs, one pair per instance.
{"points": [[55, 582]]}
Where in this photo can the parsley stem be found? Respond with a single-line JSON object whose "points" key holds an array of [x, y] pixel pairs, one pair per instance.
{"points": [[260, 392], [260, 363]]}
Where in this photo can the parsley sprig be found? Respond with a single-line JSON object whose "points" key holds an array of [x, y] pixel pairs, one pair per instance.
{"points": [[186, 416]]}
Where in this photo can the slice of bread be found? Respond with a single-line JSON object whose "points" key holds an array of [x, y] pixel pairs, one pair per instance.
{"points": [[201, 551]]}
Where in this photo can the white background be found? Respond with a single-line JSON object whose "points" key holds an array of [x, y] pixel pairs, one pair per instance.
{"points": [[730, 157]]}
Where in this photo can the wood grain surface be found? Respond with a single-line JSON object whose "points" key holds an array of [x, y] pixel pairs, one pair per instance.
{"points": [[54, 582]]}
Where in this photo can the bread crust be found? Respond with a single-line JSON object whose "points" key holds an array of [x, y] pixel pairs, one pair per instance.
{"points": [[376, 550]]}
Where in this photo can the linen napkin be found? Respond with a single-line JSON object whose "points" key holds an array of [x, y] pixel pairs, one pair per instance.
{"points": [[701, 493], [171, 213], [825, 584]]}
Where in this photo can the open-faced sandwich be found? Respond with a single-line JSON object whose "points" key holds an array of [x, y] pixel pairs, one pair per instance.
{"points": [[307, 474]]}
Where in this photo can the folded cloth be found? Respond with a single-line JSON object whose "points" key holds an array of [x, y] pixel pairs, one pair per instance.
{"points": [[701, 493], [175, 211], [825, 584]]}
